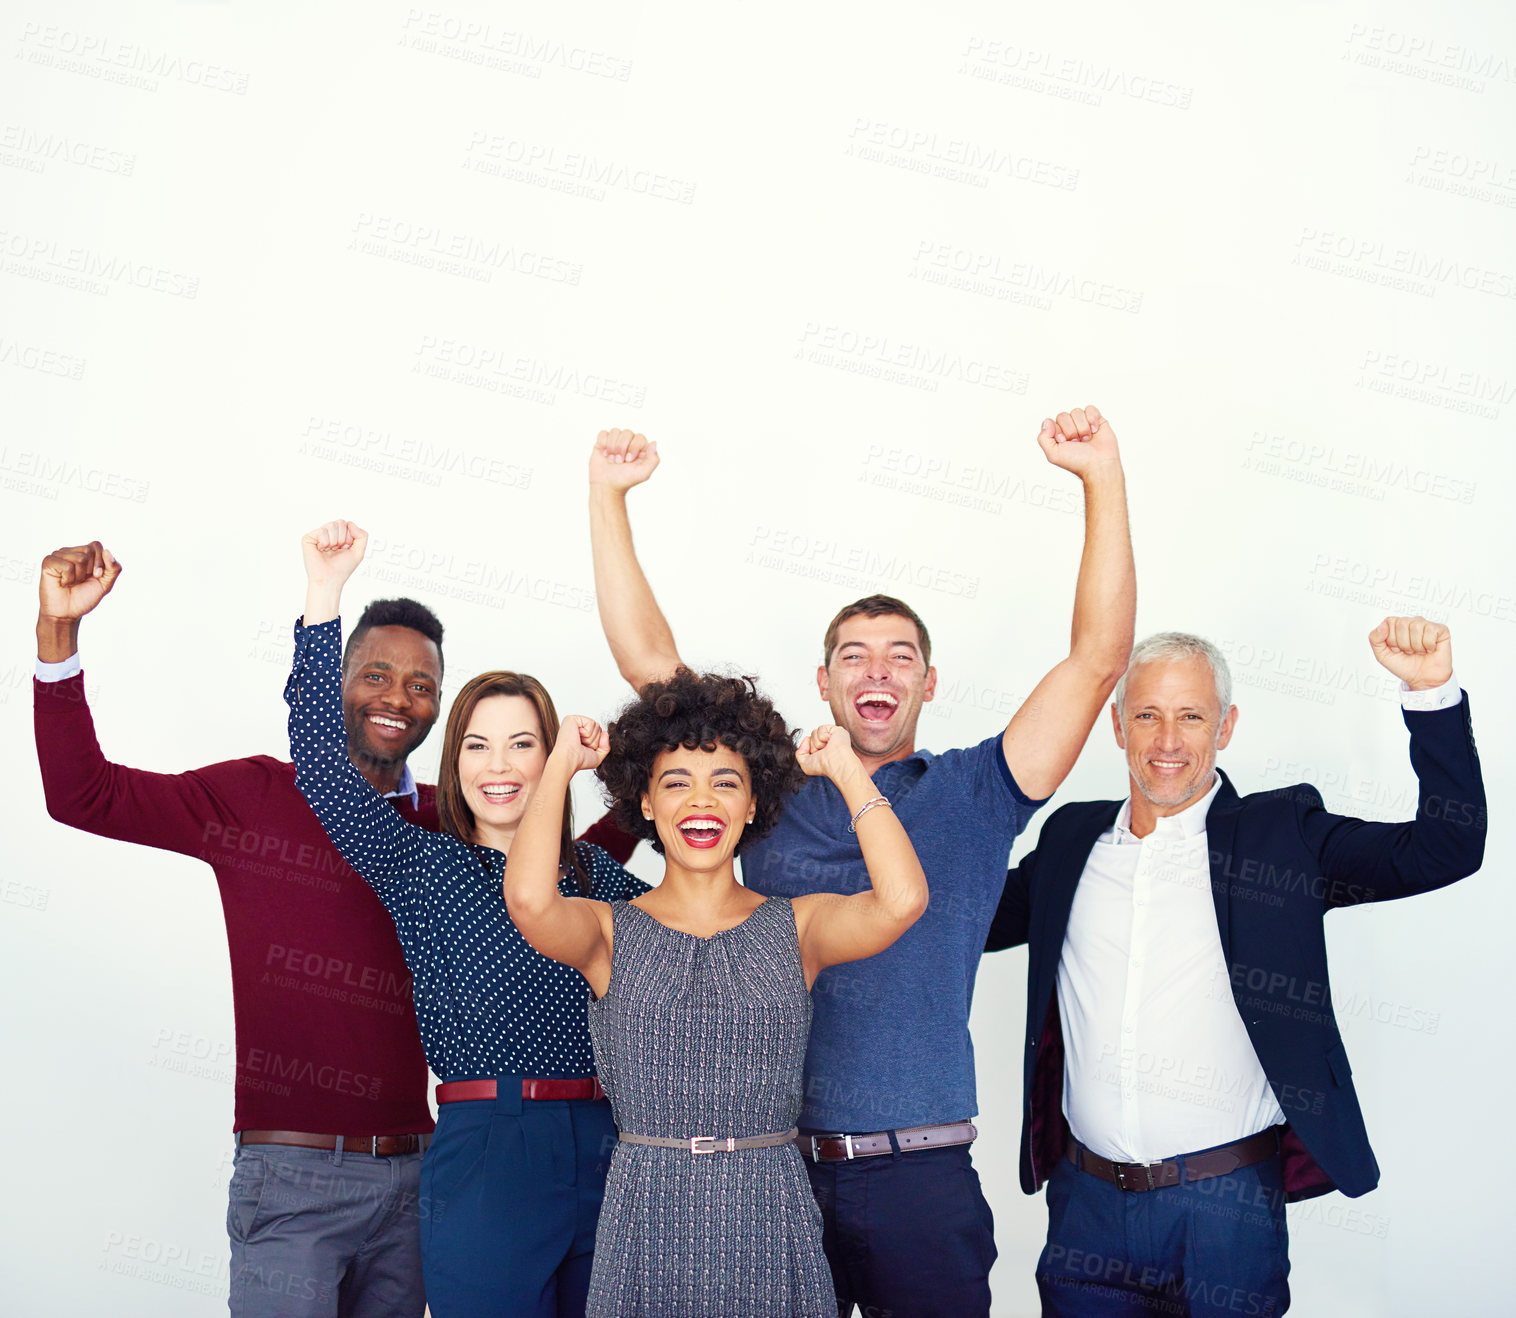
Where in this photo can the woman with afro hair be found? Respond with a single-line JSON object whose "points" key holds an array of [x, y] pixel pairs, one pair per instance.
{"points": [[701, 993]]}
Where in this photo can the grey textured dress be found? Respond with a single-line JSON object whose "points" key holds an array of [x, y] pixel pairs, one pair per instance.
{"points": [[706, 1036]]}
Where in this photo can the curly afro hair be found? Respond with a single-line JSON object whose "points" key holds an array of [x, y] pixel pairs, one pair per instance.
{"points": [[700, 712]]}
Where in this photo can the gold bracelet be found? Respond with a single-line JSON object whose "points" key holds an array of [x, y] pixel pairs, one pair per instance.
{"points": [[865, 808]]}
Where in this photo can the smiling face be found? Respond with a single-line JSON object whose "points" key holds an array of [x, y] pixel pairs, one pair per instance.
{"points": [[390, 687], [876, 680], [699, 801], [501, 756], [1171, 726]]}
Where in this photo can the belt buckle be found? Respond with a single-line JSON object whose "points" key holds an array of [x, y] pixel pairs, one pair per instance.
{"points": [[847, 1145], [374, 1146], [1121, 1168], [697, 1140]]}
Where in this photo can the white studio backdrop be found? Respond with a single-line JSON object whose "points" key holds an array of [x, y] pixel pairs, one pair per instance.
{"points": [[264, 265]]}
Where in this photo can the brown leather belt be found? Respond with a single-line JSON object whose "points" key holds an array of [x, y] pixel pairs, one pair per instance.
{"points": [[844, 1148], [1137, 1176], [380, 1146], [710, 1143], [463, 1091]]}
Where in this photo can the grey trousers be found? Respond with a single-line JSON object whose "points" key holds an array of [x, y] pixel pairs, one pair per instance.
{"points": [[324, 1235]]}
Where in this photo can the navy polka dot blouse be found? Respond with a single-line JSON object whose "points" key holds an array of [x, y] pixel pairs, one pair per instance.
{"points": [[488, 1005]]}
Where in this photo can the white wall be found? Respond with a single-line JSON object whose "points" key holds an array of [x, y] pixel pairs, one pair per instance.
{"points": [[1275, 247]]}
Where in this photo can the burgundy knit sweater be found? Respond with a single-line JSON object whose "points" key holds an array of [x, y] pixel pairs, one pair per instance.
{"points": [[325, 1025]]}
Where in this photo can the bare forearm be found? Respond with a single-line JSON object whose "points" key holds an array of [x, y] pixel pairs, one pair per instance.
{"points": [[1044, 737], [57, 638], [322, 603], [1105, 597], [899, 885], [531, 876], [635, 628]]}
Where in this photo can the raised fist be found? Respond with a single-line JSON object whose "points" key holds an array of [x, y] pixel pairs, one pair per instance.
{"points": [[1418, 652], [622, 459], [76, 579], [827, 751], [582, 742], [1079, 441], [332, 552]]}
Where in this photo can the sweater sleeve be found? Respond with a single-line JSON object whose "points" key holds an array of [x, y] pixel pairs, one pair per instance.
{"points": [[368, 832], [193, 813]]}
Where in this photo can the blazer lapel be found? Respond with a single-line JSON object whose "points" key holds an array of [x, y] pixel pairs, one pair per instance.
{"points": [[1221, 837], [1074, 850]]}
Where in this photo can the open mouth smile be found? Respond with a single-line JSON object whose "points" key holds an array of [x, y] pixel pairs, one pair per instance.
{"points": [[876, 706], [387, 726], [702, 831], [499, 793]]}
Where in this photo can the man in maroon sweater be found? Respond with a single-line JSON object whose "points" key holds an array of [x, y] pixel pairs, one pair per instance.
{"points": [[331, 1094], [331, 1107]]}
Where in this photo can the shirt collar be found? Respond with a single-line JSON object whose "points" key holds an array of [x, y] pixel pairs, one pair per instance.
{"points": [[407, 788], [1189, 822]]}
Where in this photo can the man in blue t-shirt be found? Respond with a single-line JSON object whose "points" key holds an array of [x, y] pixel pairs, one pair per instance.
{"points": [[889, 1083]]}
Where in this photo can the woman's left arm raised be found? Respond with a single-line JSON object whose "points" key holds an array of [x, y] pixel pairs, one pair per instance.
{"points": [[834, 927]]}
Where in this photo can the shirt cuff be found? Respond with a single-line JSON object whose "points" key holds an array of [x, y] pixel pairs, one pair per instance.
{"points": [[61, 671], [1438, 697], [319, 645]]}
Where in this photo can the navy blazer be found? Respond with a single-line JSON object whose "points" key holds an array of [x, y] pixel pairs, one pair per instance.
{"points": [[1279, 862]]}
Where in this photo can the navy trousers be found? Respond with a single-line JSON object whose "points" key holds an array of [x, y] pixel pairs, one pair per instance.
{"points": [[511, 1192], [907, 1234], [1212, 1247]]}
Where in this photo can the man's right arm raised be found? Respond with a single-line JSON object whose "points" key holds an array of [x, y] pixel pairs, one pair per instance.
{"points": [[183, 812], [638, 633]]}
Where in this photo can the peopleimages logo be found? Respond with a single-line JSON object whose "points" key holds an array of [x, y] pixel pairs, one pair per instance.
{"points": [[406, 457], [878, 356], [94, 272], [44, 361], [1065, 76], [45, 474], [1408, 268], [834, 563], [475, 42], [956, 159], [97, 56], [431, 246], [33, 150]]}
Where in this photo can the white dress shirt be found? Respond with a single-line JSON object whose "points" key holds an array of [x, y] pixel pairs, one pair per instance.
{"points": [[67, 668], [1157, 1061]]}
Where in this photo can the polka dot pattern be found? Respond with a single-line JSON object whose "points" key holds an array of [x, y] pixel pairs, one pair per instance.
{"points": [[487, 1003]]}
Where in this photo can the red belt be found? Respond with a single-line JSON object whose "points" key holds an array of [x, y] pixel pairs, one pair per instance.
{"points": [[463, 1091]]}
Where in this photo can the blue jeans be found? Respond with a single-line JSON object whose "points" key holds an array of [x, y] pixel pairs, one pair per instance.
{"points": [[324, 1235], [1216, 1246], [512, 1190]]}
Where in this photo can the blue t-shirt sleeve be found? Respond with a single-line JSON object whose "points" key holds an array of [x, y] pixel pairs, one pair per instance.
{"points": [[988, 780]]}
